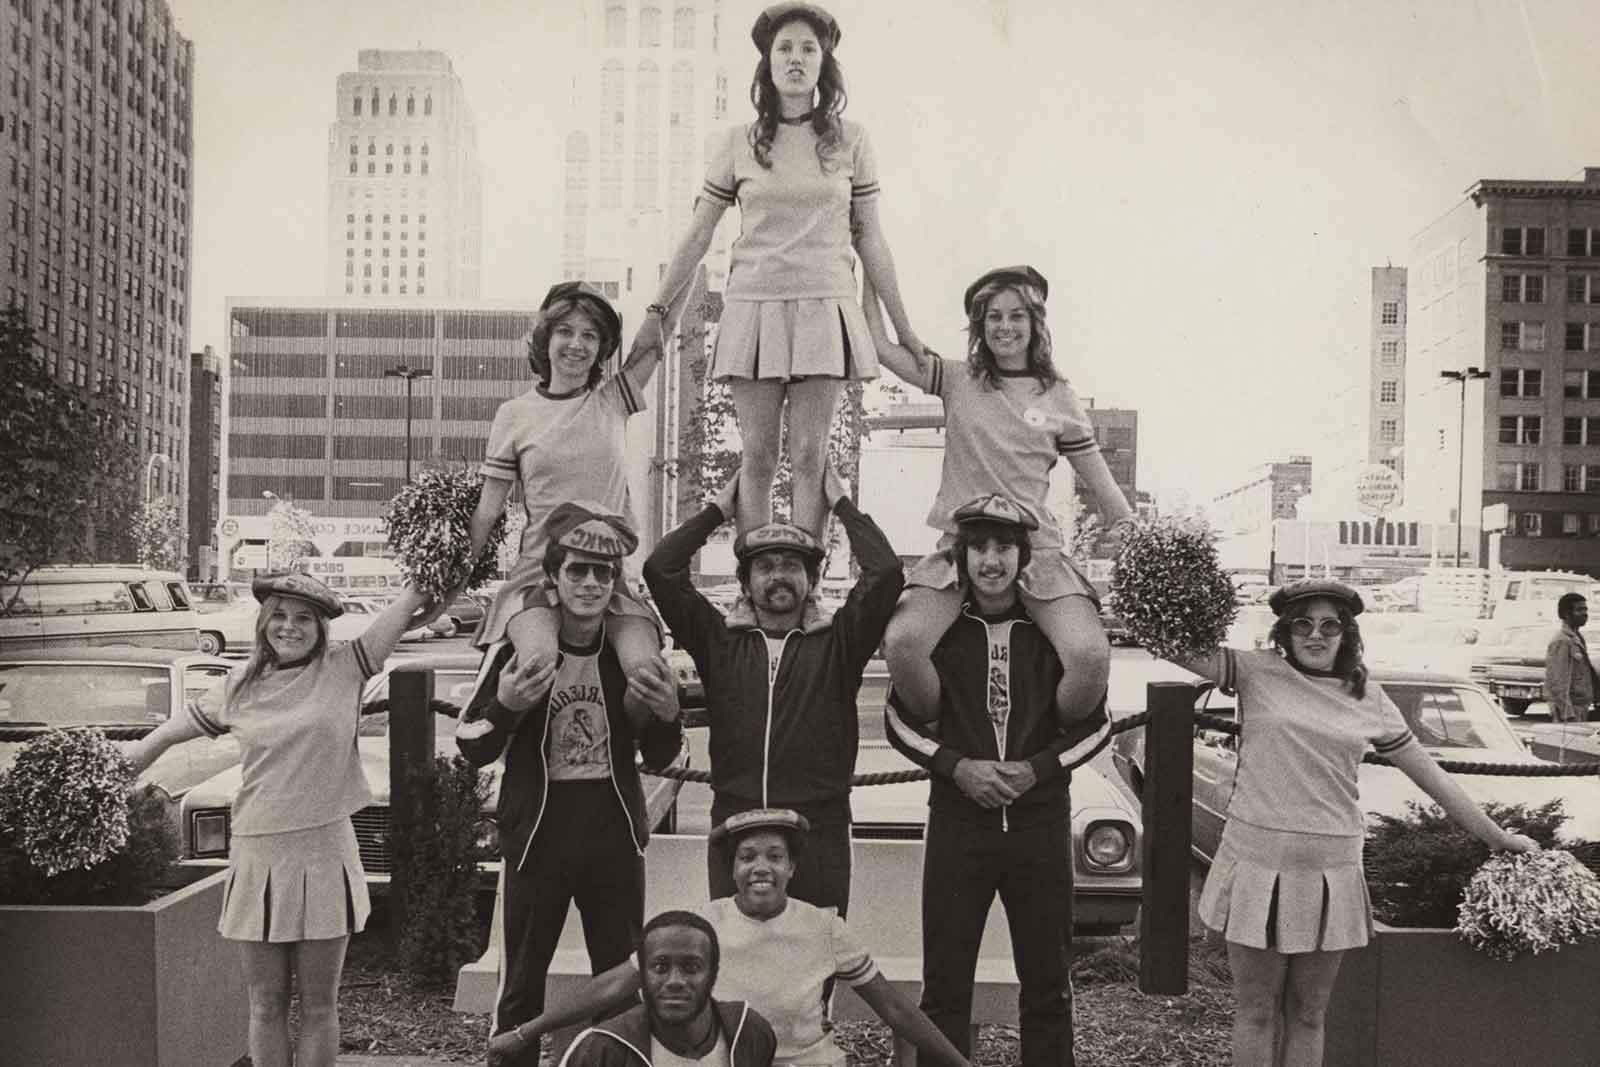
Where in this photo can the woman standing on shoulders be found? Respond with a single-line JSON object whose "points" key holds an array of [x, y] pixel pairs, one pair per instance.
{"points": [[295, 890], [792, 332], [1287, 889]]}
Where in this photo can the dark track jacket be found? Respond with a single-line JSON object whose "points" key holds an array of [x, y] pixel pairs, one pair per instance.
{"points": [[791, 740], [997, 683], [624, 1041], [525, 785]]}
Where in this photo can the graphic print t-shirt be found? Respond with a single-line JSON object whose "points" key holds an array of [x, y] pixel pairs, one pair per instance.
{"points": [[579, 738]]}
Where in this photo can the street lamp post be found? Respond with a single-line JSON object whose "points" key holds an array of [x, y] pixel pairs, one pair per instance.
{"points": [[1463, 377], [410, 375]]}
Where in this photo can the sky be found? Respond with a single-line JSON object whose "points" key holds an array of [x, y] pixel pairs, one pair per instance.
{"points": [[1206, 186]]}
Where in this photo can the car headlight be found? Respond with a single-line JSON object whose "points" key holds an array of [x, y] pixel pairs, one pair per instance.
{"points": [[208, 833], [1108, 846], [486, 839]]}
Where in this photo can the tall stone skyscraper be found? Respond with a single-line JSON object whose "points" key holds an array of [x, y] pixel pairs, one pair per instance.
{"points": [[405, 194]]}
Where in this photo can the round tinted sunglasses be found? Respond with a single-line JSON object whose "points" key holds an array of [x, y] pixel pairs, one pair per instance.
{"points": [[575, 571], [1304, 627]]}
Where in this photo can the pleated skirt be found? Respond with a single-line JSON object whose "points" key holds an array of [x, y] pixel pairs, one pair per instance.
{"points": [[1289, 892], [527, 586], [301, 885], [1049, 575], [786, 339]]}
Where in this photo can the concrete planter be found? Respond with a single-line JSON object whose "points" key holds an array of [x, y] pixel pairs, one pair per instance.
{"points": [[1423, 996], [147, 986]]}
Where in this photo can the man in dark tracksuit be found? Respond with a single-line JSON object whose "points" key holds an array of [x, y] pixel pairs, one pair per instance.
{"points": [[571, 812], [999, 818], [781, 690]]}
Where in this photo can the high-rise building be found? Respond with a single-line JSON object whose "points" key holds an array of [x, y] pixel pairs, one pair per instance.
{"points": [[1117, 430], [405, 192], [205, 461], [644, 109], [317, 413], [1386, 362], [96, 158], [1508, 281]]}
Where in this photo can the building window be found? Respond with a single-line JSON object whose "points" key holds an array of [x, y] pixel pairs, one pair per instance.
{"points": [[649, 27], [1390, 314], [1522, 289], [1521, 381], [1529, 524], [411, 104], [1522, 240], [1390, 350], [1388, 430], [616, 26], [1522, 336], [1517, 477], [1388, 391], [1572, 478], [1519, 429], [1581, 336], [394, 104], [683, 27], [1580, 430], [1580, 384], [1583, 242], [1582, 289], [1391, 462], [358, 104], [1571, 524], [427, 105]]}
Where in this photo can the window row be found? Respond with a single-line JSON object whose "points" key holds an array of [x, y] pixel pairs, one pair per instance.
{"points": [[422, 220], [375, 103], [388, 150], [1531, 336], [1378, 533], [616, 26], [1530, 289], [1554, 524], [388, 168], [1531, 241], [1527, 383]]}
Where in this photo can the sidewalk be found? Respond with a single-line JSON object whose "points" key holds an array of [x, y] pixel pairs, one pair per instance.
{"points": [[390, 1061]]}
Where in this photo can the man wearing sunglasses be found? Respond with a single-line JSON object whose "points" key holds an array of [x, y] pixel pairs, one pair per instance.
{"points": [[571, 812]]}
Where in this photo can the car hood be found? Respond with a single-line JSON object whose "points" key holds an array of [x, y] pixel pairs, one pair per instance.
{"points": [[1385, 790]]}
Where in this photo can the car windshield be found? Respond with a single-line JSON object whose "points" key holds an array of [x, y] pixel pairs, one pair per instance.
{"points": [[83, 694], [1451, 716]]}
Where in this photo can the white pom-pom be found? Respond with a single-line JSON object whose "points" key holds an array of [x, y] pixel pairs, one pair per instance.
{"points": [[1167, 583], [1529, 902]]}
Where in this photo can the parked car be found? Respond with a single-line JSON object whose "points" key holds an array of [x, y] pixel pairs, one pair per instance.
{"points": [[97, 604], [1105, 824], [359, 613], [1558, 742], [1509, 662], [1452, 717], [1116, 628], [218, 596], [206, 811], [229, 628], [461, 617], [113, 686]]}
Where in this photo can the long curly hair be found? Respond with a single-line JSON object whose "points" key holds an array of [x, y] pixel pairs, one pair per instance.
{"points": [[1348, 663], [831, 100], [981, 362], [263, 655], [539, 339]]}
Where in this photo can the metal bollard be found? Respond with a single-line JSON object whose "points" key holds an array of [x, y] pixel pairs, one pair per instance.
{"points": [[410, 747], [1168, 792]]}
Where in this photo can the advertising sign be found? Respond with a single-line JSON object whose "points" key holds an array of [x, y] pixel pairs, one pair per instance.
{"points": [[1377, 489]]}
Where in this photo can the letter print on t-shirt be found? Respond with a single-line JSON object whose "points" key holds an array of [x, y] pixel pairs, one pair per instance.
{"points": [[579, 736]]}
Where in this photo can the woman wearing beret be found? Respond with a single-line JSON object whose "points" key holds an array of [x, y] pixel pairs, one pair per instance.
{"points": [[778, 954], [791, 332], [1286, 888], [563, 441], [295, 890], [1009, 417]]}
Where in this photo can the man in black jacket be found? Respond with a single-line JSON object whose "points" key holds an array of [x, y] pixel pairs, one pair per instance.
{"points": [[571, 812], [999, 818], [781, 689]]}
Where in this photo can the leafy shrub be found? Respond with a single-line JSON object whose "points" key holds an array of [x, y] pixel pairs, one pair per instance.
{"points": [[1419, 864], [133, 875], [440, 856], [64, 800]]}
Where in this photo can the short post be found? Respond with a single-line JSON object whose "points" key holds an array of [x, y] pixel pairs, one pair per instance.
{"points": [[1168, 790], [410, 748]]}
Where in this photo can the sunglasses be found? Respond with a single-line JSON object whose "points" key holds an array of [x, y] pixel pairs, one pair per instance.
{"points": [[1304, 627], [575, 571]]}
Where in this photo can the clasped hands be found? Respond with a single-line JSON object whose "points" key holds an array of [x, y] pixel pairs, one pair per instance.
{"points": [[652, 689], [994, 783]]}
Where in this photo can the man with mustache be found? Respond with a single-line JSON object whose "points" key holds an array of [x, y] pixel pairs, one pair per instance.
{"points": [[781, 690], [678, 1023], [999, 819]]}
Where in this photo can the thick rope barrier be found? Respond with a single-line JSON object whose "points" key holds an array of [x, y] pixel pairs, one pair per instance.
{"points": [[1221, 725]]}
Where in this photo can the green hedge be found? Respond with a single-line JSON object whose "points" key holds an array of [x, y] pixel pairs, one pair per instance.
{"points": [[441, 927]]}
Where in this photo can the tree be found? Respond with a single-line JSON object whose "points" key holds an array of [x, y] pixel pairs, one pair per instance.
{"points": [[68, 469], [292, 535], [1087, 529], [158, 535]]}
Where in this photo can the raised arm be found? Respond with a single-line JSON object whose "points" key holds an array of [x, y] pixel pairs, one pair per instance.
{"points": [[1420, 767], [873, 249], [650, 341], [908, 1021], [383, 633], [148, 749], [687, 256], [604, 994], [908, 365], [491, 502]]}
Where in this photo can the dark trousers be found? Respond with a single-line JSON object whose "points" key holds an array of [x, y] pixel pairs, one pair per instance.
{"points": [[964, 866], [582, 853], [822, 875]]}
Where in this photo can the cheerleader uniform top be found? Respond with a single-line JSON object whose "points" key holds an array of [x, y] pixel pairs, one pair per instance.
{"points": [[1006, 438], [1303, 736], [567, 447], [296, 729], [794, 234]]}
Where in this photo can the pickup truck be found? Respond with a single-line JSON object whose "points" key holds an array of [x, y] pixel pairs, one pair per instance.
{"points": [[1510, 664]]}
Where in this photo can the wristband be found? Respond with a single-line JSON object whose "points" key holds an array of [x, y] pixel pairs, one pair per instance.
{"points": [[656, 309]]}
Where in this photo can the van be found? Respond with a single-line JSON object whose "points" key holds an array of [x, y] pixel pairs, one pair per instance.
{"points": [[98, 604]]}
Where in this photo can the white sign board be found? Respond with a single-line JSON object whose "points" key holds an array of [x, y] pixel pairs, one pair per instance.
{"points": [[1377, 489], [1496, 517]]}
